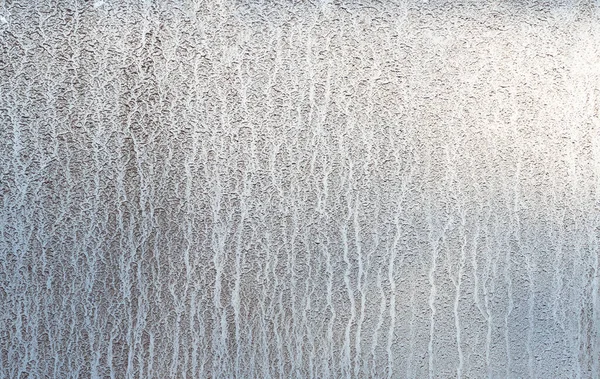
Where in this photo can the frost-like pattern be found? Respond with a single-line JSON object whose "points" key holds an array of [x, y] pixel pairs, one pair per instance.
{"points": [[297, 189]]}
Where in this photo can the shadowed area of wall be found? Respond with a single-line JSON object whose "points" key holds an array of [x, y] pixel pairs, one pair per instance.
{"points": [[287, 189]]}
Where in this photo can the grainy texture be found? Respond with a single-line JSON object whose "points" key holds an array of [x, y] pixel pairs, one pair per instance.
{"points": [[287, 189]]}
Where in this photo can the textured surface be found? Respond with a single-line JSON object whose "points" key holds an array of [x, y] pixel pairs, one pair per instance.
{"points": [[261, 189]]}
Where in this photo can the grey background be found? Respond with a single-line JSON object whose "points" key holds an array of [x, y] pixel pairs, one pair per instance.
{"points": [[287, 189]]}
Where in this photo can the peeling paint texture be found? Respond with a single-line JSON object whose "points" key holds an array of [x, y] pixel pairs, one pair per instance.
{"points": [[299, 189]]}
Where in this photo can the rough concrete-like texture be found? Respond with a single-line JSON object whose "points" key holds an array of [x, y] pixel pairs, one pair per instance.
{"points": [[287, 189]]}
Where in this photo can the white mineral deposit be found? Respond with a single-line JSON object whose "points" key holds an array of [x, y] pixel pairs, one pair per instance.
{"points": [[299, 189]]}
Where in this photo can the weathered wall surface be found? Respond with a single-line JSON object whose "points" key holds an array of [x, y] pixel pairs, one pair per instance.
{"points": [[261, 189]]}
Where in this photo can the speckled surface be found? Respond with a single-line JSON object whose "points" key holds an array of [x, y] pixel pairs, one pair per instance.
{"points": [[262, 189]]}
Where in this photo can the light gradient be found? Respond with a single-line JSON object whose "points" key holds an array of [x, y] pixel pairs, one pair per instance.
{"points": [[296, 189]]}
